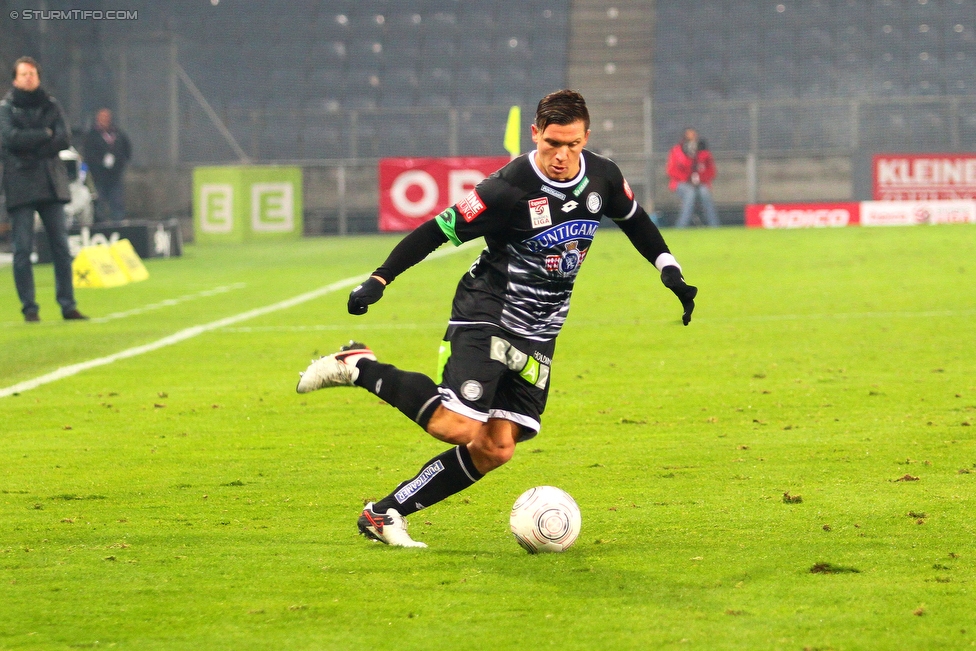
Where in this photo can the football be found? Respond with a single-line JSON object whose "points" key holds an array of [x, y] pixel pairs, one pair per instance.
{"points": [[545, 519]]}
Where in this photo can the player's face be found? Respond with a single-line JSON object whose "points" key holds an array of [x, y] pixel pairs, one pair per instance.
{"points": [[27, 77], [558, 149]]}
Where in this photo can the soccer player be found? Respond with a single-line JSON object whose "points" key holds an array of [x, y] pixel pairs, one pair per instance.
{"points": [[538, 215]]}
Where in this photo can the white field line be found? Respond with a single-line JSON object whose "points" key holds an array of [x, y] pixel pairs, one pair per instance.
{"points": [[601, 324], [189, 333], [168, 303], [343, 327]]}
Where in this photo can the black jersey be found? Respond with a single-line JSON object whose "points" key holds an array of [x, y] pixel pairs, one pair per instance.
{"points": [[538, 232]]}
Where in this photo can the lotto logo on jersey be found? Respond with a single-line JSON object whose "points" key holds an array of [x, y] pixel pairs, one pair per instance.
{"points": [[539, 212], [471, 206], [628, 191]]}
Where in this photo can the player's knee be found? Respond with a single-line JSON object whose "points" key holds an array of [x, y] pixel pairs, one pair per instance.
{"points": [[450, 427], [489, 454]]}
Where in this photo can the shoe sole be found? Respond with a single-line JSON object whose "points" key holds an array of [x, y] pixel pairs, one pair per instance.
{"points": [[363, 524]]}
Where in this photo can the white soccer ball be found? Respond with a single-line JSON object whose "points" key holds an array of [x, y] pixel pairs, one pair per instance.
{"points": [[545, 519]]}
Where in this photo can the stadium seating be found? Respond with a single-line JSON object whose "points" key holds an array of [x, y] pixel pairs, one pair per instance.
{"points": [[819, 51], [261, 63]]}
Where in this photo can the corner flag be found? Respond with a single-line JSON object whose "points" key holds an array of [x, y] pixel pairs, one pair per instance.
{"points": [[513, 135]]}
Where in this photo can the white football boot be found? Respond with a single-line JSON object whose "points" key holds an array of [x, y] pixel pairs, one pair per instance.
{"points": [[389, 527], [335, 370]]}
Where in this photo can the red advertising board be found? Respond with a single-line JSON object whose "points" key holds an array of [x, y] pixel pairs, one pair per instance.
{"points": [[924, 177], [412, 190], [802, 215]]}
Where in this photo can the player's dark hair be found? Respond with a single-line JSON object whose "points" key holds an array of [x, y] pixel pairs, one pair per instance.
{"points": [[561, 107], [29, 61]]}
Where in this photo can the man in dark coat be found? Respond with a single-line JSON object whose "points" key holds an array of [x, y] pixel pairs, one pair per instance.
{"points": [[107, 151], [32, 132]]}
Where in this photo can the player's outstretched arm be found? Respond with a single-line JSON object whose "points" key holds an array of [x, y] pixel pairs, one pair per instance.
{"points": [[416, 246], [649, 242]]}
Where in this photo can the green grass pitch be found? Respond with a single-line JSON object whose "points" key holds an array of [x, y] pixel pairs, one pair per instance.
{"points": [[794, 470]]}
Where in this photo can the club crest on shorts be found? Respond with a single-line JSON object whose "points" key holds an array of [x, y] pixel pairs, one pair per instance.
{"points": [[539, 212], [594, 202], [472, 390]]}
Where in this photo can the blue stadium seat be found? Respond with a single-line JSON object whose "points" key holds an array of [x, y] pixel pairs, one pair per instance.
{"points": [[362, 88], [324, 136], [924, 74], [280, 135], [475, 18], [707, 14], [507, 96], [959, 37], [364, 52], [779, 41], [929, 128], [367, 26], [326, 81], [287, 85], [967, 123], [398, 87], [401, 50], [328, 53], [397, 138], [544, 79], [851, 83], [813, 76], [433, 137], [885, 12], [713, 82], [473, 86], [814, 14], [441, 24], [437, 52], [514, 16], [477, 133], [473, 51], [923, 37], [960, 74], [743, 75], [778, 77], [776, 127], [851, 37], [815, 41]]}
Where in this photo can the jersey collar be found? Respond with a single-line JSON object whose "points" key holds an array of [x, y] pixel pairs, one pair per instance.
{"points": [[559, 184]]}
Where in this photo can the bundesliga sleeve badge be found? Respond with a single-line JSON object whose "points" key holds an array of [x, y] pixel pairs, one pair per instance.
{"points": [[539, 212]]}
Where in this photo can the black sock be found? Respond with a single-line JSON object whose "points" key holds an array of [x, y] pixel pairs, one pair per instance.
{"points": [[446, 474], [414, 394]]}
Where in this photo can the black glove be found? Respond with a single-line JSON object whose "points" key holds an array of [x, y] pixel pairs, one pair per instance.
{"points": [[671, 277], [365, 295]]}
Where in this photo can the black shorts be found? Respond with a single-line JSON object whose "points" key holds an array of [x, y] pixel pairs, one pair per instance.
{"points": [[486, 372]]}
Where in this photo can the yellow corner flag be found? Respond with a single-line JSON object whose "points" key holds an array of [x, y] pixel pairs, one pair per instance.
{"points": [[513, 132]]}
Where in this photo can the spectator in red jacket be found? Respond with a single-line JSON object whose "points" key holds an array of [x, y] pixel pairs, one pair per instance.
{"points": [[692, 168]]}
